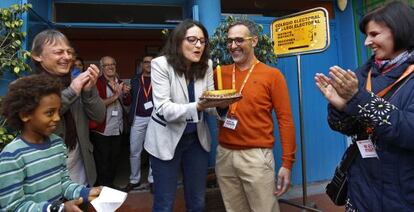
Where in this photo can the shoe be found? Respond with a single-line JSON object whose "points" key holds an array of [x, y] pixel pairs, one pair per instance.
{"points": [[131, 186], [151, 187]]}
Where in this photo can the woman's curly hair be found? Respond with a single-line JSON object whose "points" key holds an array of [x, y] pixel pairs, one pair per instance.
{"points": [[24, 95]]}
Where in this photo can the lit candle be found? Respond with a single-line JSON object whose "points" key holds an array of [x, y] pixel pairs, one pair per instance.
{"points": [[218, 72]]}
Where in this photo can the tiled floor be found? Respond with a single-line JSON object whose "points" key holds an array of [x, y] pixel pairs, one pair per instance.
{"points": [[141, 200]]}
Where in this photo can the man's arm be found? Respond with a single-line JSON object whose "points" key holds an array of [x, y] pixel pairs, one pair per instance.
{"points": [[281, 104]]}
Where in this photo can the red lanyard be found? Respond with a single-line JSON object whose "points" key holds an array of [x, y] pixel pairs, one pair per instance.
{"points": [[233, 106], [146, 92], [407, 72]]}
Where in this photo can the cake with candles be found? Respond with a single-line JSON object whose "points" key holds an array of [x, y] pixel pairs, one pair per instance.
{"points": [[220, 93]]}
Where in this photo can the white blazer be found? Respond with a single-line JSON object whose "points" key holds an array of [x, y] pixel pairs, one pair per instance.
{"points": [[172, 110]]}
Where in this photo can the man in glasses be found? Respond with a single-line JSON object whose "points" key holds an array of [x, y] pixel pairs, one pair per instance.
{"points": [[139, 116], [106, 137], [245, 164]]}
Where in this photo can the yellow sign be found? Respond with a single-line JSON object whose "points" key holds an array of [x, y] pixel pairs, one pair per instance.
{"points": [[299, 33]]}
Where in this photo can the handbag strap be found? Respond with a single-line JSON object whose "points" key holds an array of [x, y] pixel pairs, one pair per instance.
{"points": [[351, 154], [353, 148]]}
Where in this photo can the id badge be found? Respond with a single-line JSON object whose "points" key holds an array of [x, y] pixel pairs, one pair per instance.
{"points": [[367, 149], [114, 113], [148, 105], [230, 123]]}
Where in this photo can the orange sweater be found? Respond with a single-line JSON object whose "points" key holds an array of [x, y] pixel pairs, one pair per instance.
{"points": [[264, 91]]}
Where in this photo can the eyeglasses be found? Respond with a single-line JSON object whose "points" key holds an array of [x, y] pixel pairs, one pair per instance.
{"points": [[146, 62], [193, 40], [107, 65], [238, 41]]}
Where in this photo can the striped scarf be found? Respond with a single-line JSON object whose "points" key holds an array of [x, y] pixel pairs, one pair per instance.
{"points": [[384, 66]]}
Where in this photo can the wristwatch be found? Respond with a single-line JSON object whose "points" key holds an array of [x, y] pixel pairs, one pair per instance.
{"points": [[61, 207], [57, 206]]}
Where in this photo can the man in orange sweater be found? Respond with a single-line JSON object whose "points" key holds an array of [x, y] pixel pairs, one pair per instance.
{"points": [[245, 164]]}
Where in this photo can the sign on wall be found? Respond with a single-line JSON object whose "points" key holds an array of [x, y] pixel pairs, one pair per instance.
{"points": [[300, 33]]}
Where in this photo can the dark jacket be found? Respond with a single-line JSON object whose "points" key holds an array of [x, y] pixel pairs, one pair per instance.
{"points": [[135, 88], [385, 183]]}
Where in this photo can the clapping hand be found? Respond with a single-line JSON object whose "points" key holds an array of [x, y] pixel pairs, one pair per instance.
{"points": [[93, 74], [85, 80], [323, 83], [79, 82], [125, 88], [339, 89], [344, 82]]}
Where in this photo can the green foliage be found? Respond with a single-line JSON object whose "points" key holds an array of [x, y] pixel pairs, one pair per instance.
{"points": [[263, 51], [165, 33], [12, 55], [6, 135]]}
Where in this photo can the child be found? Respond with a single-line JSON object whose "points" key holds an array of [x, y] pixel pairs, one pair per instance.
{"points": [[33, 169]]}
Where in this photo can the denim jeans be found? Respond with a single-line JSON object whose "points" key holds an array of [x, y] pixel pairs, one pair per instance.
{"points": [[138, 130], [192, 160]]}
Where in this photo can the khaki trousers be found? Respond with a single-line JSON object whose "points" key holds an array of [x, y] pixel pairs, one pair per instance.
{"points": [[247, 179]]}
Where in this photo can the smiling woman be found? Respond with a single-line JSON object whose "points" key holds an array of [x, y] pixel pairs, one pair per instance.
{"points": [[374, 106]]}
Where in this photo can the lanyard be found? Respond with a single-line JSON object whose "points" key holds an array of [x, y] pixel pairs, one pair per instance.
{"points": [[407, 72], [233, 106], [146, 92]]}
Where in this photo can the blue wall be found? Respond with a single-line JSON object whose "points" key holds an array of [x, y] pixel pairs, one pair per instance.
{"points": [[324, 147], [7, 3], [39, 18]]}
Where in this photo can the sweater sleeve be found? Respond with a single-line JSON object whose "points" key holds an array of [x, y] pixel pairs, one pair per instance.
{"points": [[93, 105], [68, 96], [72, 190], [391, 123], [12, 195], [281, 104], [345, 124]]}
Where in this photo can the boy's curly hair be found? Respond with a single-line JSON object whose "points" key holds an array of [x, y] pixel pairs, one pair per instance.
{"points": [[24, 95]]}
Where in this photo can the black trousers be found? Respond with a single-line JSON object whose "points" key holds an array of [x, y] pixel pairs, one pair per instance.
{"points": [[106, 151]]}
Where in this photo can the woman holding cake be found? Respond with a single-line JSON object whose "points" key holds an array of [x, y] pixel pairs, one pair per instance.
{"points": [[178, 137]]}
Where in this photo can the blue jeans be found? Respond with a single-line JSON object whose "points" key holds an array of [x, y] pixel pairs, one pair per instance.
{"points": [[192, 159]]}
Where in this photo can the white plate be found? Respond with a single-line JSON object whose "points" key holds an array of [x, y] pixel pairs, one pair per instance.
{"points": [[234, 96]]}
